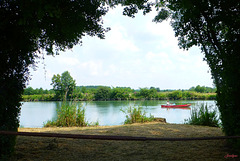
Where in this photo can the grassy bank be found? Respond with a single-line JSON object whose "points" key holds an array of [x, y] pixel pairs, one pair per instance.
{"points": [[36, 148]]}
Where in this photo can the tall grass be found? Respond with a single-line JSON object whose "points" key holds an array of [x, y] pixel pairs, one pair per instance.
{"points": [[136, 115], [203, 117], [70, 114]]}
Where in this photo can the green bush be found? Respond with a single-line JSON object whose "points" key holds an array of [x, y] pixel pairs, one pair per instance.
{"points": [[212, 96], [102, 93], [176, 95], [203, 117], [38, 97], [136, 115], [69, 115], [162, 95]]}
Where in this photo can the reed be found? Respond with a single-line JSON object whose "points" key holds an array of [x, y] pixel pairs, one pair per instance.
{"points": [[70, 114], [203, 117], [136, 115]]}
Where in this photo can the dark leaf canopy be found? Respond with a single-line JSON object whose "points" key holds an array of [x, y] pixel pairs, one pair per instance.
{"points": [[52, 24], [131, 7]]}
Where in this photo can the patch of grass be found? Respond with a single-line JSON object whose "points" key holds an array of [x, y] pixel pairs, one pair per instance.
{"points": [[136, 115], [203, 117]]}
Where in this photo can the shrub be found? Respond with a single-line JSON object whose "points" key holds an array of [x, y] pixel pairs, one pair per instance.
{"points": [[162, 95], [69, 115], [135, 115], [102, 93], [38, 97], [203, 117], [212, 96]]}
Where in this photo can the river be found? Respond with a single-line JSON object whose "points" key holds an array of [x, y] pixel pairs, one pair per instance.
{"points": [[34, 114]]}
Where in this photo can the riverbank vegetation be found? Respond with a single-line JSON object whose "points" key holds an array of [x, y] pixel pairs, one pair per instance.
{"points": [[70, 114], [203, 116], [104, 93], [136, 115]]}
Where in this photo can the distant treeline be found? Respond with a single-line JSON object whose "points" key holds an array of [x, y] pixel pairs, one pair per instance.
{"points": [[104, 93]]}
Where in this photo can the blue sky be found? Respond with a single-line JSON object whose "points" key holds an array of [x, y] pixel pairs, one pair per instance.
{"points": [[136, 53]]}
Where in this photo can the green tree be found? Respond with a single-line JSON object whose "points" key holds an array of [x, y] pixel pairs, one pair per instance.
{"points": [[30, 27], [203, 89], [46, 91], [77, 94], [84, 89], [41, 91], [157, 89], [148, 93], [102, 93], [144, 93], [214, 26], [56, 83], [176, 95], [119, 93], [153, 93], [200, 89], [63, 85], [68, 84], [28, 91]]}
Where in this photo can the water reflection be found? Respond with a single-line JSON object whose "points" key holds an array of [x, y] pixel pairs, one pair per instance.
{"points": [[34, 114]]}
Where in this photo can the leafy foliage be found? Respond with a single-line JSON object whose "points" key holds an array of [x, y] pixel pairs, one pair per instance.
{"points": [[121, 93], [204, 117], [131, 7], [203, 89], [31, 91], [214, 26], [63, 85], [27, 28], [148, 93], [102, 93], [136, 115]]}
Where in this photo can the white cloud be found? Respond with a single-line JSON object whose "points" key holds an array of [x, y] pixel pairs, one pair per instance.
{"points": [[119, 40], [92, 67], [156, 57], [160, 62], [136, 52], [71, 61]]}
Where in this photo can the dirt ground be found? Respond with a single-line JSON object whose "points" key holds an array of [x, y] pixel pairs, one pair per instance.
{"points": [[61, 149]]}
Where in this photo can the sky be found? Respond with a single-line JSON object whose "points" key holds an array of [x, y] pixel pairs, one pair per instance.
{"points": [[135, 53]]}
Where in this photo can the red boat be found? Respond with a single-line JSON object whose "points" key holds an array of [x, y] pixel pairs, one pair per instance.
{"points": [[186, 106]]}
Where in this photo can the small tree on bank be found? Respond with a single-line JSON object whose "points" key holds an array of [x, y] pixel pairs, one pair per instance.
{"points": [[102, 93], [63, 85]]}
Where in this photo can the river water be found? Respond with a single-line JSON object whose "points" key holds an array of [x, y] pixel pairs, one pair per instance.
{"points": [[34, 114]]}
